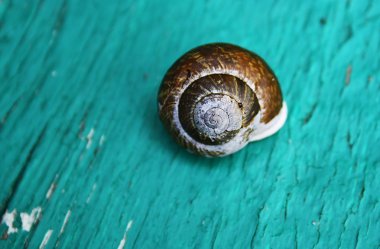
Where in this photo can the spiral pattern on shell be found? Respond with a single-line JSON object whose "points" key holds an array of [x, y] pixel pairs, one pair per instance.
{"points": [[214, 108], [218, 97]]}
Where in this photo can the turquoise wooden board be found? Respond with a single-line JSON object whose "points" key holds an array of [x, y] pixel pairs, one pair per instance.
{"points": [[86, 163]]}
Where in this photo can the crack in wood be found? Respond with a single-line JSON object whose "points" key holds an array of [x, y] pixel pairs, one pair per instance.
{"points": [[16, 183], [310, 114], [286, 205], [257, 226], [215, 234], [350, 144], [348, 75], [8, 113], [141, 227]]}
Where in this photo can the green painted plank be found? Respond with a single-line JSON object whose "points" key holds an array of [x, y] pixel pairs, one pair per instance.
{"points": [[85, 162]]}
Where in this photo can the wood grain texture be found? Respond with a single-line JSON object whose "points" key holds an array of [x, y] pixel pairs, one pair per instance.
{"points": [[85, 162]]}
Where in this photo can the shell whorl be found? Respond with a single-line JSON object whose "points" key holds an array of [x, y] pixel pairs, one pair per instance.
{"points": [[217, 118], [215, 107], [218, 97]]}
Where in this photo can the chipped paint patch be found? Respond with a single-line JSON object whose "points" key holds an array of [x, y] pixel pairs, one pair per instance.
{"points": [[29, 219], [102, 140], [50, 191], [67, 217], [129, 225], [52, 187], [124, 240], [89, 137], [46, 239], [91, 193], [8, 219]]}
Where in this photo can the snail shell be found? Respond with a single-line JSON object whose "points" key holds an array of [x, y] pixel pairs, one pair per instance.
{"points": [[218, 97]]}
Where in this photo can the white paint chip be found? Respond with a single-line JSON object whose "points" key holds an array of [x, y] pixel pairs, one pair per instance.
{"points": [[8, 219], [122, 243], [52, 187], [124, 240], [91, 193], [102, 140], [129, 225], [29, 219], [315, 223], [46, 239], [89, 137], [50, 191], [67, 217]]}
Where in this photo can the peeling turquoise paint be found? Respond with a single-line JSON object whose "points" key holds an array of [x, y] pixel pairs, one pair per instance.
{"points": [[81, 140]]}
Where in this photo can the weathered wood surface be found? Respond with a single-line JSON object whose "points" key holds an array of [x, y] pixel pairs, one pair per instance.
{"points": [[85, 162]]}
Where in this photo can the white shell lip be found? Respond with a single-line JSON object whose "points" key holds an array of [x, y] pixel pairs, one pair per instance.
{"points": [[273, 126]]}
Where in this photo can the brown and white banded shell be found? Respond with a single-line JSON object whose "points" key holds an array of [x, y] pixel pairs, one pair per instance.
{"points": [[218, 97]]}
